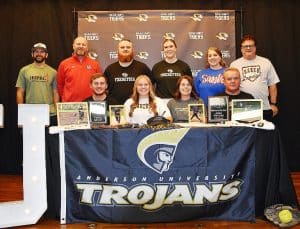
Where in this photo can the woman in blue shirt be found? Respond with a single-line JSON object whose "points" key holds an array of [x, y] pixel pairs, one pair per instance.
{"points": [[209, 81]]}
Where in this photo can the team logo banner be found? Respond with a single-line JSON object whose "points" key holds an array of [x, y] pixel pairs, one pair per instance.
{"points": [[142, 176], [193, 30]]}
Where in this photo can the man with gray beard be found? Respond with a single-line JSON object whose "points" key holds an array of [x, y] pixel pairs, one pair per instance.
{"points": [[122, 74]]}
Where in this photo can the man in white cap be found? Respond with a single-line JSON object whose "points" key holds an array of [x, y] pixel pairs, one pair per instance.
{"points": [[36, 83]]}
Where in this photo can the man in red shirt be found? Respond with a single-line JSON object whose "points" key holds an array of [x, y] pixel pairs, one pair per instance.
{"points": [[74, 73]]}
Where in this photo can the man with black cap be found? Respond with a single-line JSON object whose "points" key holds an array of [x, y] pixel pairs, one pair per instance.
{"points": [[36, 83]]}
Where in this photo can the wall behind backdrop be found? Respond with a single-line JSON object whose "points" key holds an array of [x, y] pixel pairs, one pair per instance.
{"points": [[25, 22]]}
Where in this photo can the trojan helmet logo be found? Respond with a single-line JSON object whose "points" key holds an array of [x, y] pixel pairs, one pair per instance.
{"points": [[143, 55], [157, 150], [197, 17], [222, 36], [197, 54], [169, 36], [118, 36], [143, 17], [91, 18]]}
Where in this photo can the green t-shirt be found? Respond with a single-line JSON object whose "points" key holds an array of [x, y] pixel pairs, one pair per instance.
{"points": [[38, 83]]}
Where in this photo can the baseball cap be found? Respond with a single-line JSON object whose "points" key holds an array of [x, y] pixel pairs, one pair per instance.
{"points": [[39, 46]]}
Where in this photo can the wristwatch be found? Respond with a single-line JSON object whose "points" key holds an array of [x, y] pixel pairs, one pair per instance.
{"points": [[274, 104]]}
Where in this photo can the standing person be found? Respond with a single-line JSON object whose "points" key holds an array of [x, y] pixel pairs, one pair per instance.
{"points": [[122, 74], [143, 104], [209, 81], [185, 94], [36, 83], [74, 73], [167, 72], [258, 76]]}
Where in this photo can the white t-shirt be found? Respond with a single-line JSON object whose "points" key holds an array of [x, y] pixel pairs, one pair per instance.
{"points": [[256, 77], [142, 113]]}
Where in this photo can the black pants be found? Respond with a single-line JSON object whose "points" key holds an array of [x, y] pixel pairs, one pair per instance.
{"points": [[268, 115]]}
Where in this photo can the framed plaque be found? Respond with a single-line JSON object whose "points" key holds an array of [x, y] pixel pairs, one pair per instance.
{"points": [[247, 110], [117, 115], [73, 115], [97, 112], [218, 109], [196, 113]]}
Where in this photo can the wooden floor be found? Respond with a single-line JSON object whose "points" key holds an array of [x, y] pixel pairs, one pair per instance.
{"points": [[12, 190]]}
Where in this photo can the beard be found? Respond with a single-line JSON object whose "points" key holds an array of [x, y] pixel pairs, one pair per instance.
{"points": [[125, 58], [39, 59]]}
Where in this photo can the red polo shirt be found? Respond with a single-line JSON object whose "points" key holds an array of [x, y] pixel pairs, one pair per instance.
{"points": [[73, 78]]}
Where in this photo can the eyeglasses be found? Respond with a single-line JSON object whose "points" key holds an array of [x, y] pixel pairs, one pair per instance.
{"points": [[247, 46]]}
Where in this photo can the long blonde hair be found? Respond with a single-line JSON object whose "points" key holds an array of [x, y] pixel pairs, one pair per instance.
{"points": [[135, 95]]}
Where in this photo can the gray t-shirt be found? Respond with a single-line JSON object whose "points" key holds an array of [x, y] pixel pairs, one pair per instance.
{"points": [[179, 108], [256, 77], [38, 83]]}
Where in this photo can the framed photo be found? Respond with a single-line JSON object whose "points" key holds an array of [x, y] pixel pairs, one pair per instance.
{"points": [[97, 112], [218, 109], [117, 115], [247, 110], [73, 115], [196, 113]]}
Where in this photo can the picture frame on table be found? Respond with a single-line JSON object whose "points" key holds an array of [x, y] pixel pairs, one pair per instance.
{"points": [[247, 110], [196, 113], [97, 111], [73, 115], [117, 115], [218, 109]]}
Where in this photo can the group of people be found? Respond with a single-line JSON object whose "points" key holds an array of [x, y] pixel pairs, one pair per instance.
{"points": [[166, 90]]}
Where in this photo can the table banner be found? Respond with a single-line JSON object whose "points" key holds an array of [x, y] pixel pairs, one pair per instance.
{"points": [[146, 176]]}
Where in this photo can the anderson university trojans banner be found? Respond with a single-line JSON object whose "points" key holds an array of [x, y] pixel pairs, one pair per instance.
{"points": [[142, 175], [193, 30]]}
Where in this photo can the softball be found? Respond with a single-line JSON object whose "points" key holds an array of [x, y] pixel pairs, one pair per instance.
{"points": [[285, 216]]}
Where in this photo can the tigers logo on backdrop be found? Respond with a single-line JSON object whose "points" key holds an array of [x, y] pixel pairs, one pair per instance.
{"points": [[143, 17], [91, 36], [157, 150], [167, 17], [115, 17], [196, 35], [143, 55], [222, 16], [197, 17], [197, 54], [222, 36], [91, 18], [118, 36], [93, 55], [169, 36]]}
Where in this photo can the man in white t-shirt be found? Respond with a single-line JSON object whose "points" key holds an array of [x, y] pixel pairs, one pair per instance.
{"points": [[258, 76]]}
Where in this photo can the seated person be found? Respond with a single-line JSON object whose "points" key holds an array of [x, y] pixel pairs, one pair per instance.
{"points": [[143, 104], [185, 94], [232, 81], [98, 84]]}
